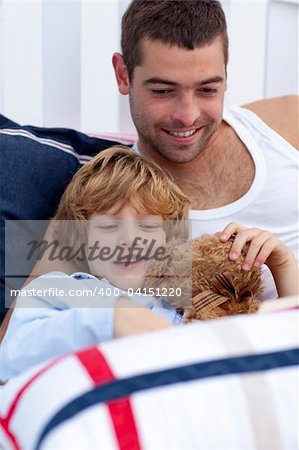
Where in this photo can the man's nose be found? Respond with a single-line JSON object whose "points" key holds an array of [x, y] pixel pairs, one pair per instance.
{"points": [[187, 110]]}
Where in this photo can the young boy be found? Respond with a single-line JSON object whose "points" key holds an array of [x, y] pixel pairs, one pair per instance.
{"points": [[126, 205]]}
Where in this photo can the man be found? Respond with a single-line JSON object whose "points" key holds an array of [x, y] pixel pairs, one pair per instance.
{"points": [[176, 97], [233, 166]]}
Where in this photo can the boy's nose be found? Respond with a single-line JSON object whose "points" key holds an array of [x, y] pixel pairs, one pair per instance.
{"points": [[128, 234]]}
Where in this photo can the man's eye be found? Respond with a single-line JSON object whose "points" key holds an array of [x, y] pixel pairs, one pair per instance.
{"points": [[161, 91], [209, 91]]}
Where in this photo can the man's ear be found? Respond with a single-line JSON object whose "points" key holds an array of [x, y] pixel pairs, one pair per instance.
{"points": [[226, 70], [121, 73]]}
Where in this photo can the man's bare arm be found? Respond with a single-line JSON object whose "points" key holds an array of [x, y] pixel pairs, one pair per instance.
{"points": [[281, 114]]}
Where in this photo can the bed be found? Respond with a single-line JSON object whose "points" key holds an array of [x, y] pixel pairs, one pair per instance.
{"points": [[224, 384]]}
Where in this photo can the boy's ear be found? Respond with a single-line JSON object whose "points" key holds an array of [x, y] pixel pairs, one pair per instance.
{"points": [[121, 73]]}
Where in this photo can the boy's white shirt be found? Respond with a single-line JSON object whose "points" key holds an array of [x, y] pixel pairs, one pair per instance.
{"points": [[46, 326]]}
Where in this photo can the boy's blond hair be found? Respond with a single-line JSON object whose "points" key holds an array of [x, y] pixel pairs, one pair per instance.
{"points": [[120, 174]]}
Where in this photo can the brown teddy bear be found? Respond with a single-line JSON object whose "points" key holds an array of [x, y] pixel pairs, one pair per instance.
{"points": [[218, 286]]}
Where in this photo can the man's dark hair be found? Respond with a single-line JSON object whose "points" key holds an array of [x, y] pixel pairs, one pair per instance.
{"points": [[186, 23]]}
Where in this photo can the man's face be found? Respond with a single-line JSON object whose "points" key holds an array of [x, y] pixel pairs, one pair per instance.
{"points": [[176, 99]]}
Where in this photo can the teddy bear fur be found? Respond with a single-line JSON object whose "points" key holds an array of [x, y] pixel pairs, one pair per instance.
{"points": [[196, 277]]}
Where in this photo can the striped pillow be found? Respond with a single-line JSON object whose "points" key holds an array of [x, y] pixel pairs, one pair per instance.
{"points": [[36, 166], [222, 384]]}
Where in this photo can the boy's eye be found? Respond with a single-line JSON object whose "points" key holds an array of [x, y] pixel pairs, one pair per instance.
{"points": [[108, 226], [150, 226]]}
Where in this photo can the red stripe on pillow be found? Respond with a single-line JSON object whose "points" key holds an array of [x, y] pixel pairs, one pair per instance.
{"points": [[6, 421], [121, 410]]}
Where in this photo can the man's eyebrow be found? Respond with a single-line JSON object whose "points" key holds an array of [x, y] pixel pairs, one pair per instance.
{"points": [[216, 79], [157, 80]]}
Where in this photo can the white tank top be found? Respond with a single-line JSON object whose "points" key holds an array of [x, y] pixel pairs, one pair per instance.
{"points": [[271, 202]]}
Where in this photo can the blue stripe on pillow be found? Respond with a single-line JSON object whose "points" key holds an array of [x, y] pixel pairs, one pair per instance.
{"points": [[128, 386]]}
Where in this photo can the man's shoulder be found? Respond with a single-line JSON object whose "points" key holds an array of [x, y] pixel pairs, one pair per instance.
{"points": [[281, 114]]}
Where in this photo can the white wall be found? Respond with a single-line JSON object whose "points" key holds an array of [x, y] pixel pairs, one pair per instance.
{"points": [[21, 60], [61, 63], [55, 63], [246, 23], [282, 66], [55, 59], [99, 39]]}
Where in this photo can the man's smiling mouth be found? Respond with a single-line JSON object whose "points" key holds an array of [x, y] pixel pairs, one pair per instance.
{"points": [[183, 134]]}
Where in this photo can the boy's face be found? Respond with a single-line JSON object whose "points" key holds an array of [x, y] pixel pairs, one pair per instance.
{"points": [[123, 240], [176, 98]]}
